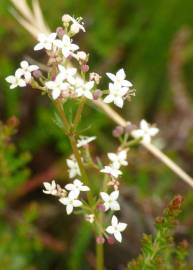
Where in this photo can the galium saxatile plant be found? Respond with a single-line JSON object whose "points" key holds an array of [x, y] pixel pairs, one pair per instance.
{"points": [[67, 77]]}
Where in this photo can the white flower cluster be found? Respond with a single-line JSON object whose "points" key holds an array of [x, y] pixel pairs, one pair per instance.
{"points": [[64, 81], [110, 200], [73, 189], [23, 75]]}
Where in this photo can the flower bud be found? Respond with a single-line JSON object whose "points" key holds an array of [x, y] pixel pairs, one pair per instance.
{"points": [[100, 240], [111, 240], [37, 73], [97, 94], [66, 18], [129, 127], [60, 32], [82, 56], [118, 131], [101, 207], [85, 68]]}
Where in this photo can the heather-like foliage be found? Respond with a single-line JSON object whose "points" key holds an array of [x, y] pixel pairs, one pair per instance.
{"points": [[160, 252]]}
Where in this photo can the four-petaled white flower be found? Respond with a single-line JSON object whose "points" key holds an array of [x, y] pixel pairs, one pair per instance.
{"points": [[66, 45], [16, 80], [26, 70], [110, 200], [119, 159], [116, 94], [116, 228], [68, 73], [70, 202], [85, 89], [84, 140], [50, 188], [73, 167], [45, 42], [119, 78], [113, 171], [57, 86], [76, 187], [76, 23], [145, 132]]}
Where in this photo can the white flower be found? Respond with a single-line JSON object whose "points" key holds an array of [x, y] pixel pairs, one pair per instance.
{"points": [[70, 202], [113, 171], [50, 188], [84, 140], [81, 56], [116, 228], [68, 73], [90, 218], [116, 94], [145, 132], [66, 45], [45, 42], [119, 159], [110, 200], [119, 78], [26, 70], [76, 188], [76, 26], [57, 86], [85, 90], [73, 167], [16, 80]]}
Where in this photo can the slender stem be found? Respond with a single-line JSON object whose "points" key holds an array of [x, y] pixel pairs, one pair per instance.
{"points": [[99, 256], [71, 136], [79, 112]]}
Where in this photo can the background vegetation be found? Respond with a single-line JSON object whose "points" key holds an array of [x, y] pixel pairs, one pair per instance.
{"points": [[153, 41]]}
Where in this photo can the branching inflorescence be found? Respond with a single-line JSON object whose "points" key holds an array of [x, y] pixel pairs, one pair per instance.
{"points": [[68, 77]]}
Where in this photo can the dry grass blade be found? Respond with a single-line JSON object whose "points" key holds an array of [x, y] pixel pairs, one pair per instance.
{"points": [[40, 22], [34, 30]]}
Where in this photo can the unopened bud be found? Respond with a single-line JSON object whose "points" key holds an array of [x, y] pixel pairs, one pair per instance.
{"points": [[129, 127], [100, 240], [82, 56], [97, 94], [111, 240], [66, 18], [101, 207], [118, 131], [85, 68], [37, 73], [60, 32]]}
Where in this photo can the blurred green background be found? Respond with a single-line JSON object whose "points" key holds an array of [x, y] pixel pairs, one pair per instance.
{"points": [[153, 41]]}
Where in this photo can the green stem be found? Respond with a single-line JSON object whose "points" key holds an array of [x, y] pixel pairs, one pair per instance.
{"points": [[71, 136], [99, 256], [79, 113]]}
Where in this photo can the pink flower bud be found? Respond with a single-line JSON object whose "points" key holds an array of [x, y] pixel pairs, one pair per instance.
{"points": [[130, 127], [85, 68], [118, 131], [111, 240], [101, 207], [60, 32], [100, 240], [97, 94], [37, 73]]}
